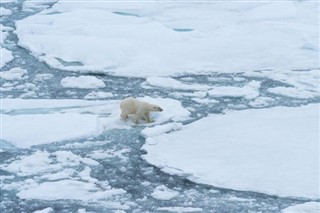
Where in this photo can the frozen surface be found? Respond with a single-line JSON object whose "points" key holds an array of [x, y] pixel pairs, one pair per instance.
{"points": [[6, 56], [247, 148], [45, 128], [82, 82], [309, 207], [180, 209], [163, 193], [167, 38], [5, 11], [13, 74], [249, 91], [170, 83]]}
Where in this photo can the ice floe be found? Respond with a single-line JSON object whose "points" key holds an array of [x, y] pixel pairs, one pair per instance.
{"points": [[14, 74], [59, 178], [263, 150], [170, 83], [5, 11], [168, 38], [304, 84], [179, 209], [82, 82], [98, 95], [6, 56], [34, 129], [308, 207], [164, 193], [249, 91]]}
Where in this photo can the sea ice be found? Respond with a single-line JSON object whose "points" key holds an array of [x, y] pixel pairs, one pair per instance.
{"points": [[308, 207], [164, 193], [5, 11], [82, 82], [293, 92], [68, 189], [179, 209], [14, 74], [6, 56], [170, 83], [249, 91], [170, 38], [35, 129], [242, 149], [98, 95]]}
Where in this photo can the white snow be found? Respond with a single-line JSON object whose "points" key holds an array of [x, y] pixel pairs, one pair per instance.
{"points": [[98, 95], [31, 5], [55, 176], [7, 1], [160, 129], [261, 102], [179, 209], [243, 149], [309, 207], [164, 193], [293, 92], [6, 56], [68, 189], [5, 11], [304, 84], [249, 91], [34, 129], [170, 83], [82, 82], [46, 210], [14, 74], [43, 77], [169, 38]]}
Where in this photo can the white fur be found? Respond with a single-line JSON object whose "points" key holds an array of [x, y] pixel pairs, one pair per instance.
{"points": [[140, 109]]}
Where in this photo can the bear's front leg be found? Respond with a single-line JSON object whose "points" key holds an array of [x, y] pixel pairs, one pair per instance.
{"points": [[124, 116], [147, 117]]}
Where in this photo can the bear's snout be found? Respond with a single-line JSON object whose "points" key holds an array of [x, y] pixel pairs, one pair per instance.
{"points": [[160, 109]]}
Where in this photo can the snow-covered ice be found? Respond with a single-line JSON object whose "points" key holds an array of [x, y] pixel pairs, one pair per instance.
{"points": [[123, 38], [72, 189], [308, 207], [46, 210], [293, 92], [164, 193], [170, 83], [98, 95], [179, 209], [249, 91], [45, 128], [82, 82], [6, 56], [264, 150], [5, 11], [14, 74]]}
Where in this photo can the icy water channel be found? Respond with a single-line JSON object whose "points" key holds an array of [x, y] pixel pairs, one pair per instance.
{"points": [[124, 168]]}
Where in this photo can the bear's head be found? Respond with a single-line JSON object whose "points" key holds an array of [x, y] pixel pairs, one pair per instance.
{"points": [[157, 108]]}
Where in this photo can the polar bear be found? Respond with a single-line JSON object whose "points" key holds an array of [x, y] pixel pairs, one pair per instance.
{"points": [[139, 109]]}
